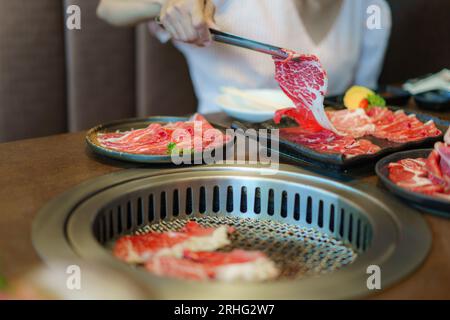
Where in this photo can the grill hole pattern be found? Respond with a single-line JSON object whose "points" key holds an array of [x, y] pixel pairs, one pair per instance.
{"points": [[126, 217]]}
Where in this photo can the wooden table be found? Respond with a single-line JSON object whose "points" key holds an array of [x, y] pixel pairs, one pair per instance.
{"points": [[34, 171]]}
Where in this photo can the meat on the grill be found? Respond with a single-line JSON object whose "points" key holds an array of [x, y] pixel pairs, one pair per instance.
{"points": [[237, 265], [429, 176], [193, 237], [196, 134]]}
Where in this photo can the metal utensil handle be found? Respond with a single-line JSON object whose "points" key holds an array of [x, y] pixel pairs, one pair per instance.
{"points": [[234, 40], [228, 38]]}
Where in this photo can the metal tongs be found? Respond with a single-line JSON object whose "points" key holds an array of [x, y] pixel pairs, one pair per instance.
{"points": [[237, 41], [228, 38]]}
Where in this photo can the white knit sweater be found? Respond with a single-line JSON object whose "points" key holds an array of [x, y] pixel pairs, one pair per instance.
{"points": [[351, 52]]}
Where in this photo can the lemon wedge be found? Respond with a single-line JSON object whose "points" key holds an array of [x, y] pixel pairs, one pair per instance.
{"points": [[355, 95]]}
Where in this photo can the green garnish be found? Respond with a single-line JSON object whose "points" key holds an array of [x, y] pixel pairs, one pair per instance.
{"points": [[376, 100], [171, 147]]}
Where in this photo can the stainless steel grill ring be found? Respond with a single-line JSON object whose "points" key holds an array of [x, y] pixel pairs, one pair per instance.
{"points": [[322, 234]]}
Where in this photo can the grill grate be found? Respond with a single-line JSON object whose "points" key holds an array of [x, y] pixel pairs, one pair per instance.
{"points": [[293, 224], [307, 209], [298, 252], [309, 226]]}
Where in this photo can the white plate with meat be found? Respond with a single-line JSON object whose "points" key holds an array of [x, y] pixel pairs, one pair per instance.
{"points": [[420, 177]]}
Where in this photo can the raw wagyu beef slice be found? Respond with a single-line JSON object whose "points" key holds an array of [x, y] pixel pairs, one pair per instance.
{"points": [[400, 127], [305, 82], [325, 141], [194, 237], [412, 175], [196, 134], [428, 176], [237, 265], [355, 123]]}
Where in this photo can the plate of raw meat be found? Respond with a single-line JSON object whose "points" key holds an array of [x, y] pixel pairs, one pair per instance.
{"points": [[340, 138], [366, 136], [156, 139], [421, 177]]}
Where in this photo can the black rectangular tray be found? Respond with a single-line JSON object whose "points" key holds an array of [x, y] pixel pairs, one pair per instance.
{"points": [[295, 151]]}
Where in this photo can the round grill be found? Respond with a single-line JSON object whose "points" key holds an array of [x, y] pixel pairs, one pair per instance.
{"points": [[321, 234]]}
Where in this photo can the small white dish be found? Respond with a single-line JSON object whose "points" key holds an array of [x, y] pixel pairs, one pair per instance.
{"points": [[253, 106]]}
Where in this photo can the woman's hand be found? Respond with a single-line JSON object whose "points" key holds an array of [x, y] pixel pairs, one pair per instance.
{"points": [[185, 20], [188, 20]]}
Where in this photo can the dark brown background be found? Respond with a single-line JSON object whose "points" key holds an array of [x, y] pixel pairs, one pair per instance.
{"points": [[420, 40], [53, 80]]}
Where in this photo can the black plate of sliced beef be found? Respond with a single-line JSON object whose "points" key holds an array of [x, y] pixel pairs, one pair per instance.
{"points": [[435, 202], [338, 161]]}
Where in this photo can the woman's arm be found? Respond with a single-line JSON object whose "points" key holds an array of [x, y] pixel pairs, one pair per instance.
{"points": [[128, 12], [185, 20]]}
